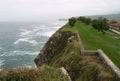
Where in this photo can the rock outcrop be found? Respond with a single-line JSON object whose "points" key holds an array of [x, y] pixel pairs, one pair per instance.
{"points": [[54, 45]]}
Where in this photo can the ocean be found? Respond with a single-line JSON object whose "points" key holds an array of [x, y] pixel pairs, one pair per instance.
{"points": [[20, 42]]}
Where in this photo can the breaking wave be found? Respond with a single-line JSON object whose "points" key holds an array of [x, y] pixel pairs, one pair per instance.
{"points": [[18, 52], [1, 63], [29, 35], [27, 40], [24, 41]]}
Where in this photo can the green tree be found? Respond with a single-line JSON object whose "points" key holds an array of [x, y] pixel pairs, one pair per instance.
{"points": [[84, 19], [101, 24], [72, 21], [88, 21]]}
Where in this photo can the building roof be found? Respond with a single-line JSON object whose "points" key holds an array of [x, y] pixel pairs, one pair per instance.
{"points": [[116, 24]]}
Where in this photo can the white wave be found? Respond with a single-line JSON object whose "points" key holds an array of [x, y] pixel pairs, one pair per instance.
{"points": [[5, 54], [35, 29], [18, 52], [29, 66], [41, 42], [27, 40], [30, 32], [24, 53], [43, 30], [25, 32], [1, 62]]}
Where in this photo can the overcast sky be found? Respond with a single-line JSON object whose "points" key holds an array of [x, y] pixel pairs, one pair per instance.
{"points": [[23, 10]]}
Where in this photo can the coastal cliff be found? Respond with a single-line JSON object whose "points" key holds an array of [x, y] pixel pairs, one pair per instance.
{"points": [[54, 46], [63, 50]]}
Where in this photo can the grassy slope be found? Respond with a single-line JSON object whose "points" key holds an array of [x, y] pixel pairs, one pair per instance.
{"points": [[92, 40], [45, 73], [81, 68]]}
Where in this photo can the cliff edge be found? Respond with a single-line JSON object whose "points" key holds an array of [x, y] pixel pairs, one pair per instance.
{"points": [[63, 50]]}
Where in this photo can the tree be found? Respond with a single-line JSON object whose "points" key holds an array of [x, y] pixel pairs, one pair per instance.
{"points": [[72, 21], [84, 20], [88, 21], [95, 24], [101, 24]]}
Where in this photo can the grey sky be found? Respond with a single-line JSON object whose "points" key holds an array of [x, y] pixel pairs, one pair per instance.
{"points": [[18, 10]]}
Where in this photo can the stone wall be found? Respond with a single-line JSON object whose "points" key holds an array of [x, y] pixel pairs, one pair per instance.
{"points": [[109, 63], [88, 52], [112, 67], [80, 41], [64, 71]]}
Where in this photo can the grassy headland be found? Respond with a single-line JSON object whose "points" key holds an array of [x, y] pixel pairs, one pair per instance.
{"points": [[93, 40]]}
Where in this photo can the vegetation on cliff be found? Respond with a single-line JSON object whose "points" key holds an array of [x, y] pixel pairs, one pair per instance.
{"points": [[44, 73], [80, 67]]}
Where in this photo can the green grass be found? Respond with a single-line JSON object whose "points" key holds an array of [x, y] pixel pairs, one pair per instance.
{"points": [[93, 40]]}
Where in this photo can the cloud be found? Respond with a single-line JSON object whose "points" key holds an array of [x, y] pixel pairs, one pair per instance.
{"points": [[12, 10]]}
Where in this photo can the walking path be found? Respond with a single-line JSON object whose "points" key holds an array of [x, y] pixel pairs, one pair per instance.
{"points": [[115, 31]]}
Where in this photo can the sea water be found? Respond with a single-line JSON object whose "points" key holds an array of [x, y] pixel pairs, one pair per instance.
{"points": [[20, 42]]}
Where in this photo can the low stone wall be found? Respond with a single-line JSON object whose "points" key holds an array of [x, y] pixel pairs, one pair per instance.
{"points": [[80, 41], [109, 63], [65, 73], [102, 56], [88, 52]]}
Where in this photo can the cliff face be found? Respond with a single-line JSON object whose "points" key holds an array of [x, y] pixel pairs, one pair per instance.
{"points": [[54, 46], [63, 50]]}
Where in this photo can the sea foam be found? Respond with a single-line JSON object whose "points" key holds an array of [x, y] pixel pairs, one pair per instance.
{"points": [[18, 52], [1, 63], [27, 40], [28, 35]]}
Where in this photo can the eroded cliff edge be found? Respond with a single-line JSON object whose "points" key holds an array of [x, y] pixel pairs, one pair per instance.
{"points": [[63, 50], [56, 43]]}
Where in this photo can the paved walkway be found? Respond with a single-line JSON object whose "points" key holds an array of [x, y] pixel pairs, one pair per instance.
{"points": [[115, 31]]}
